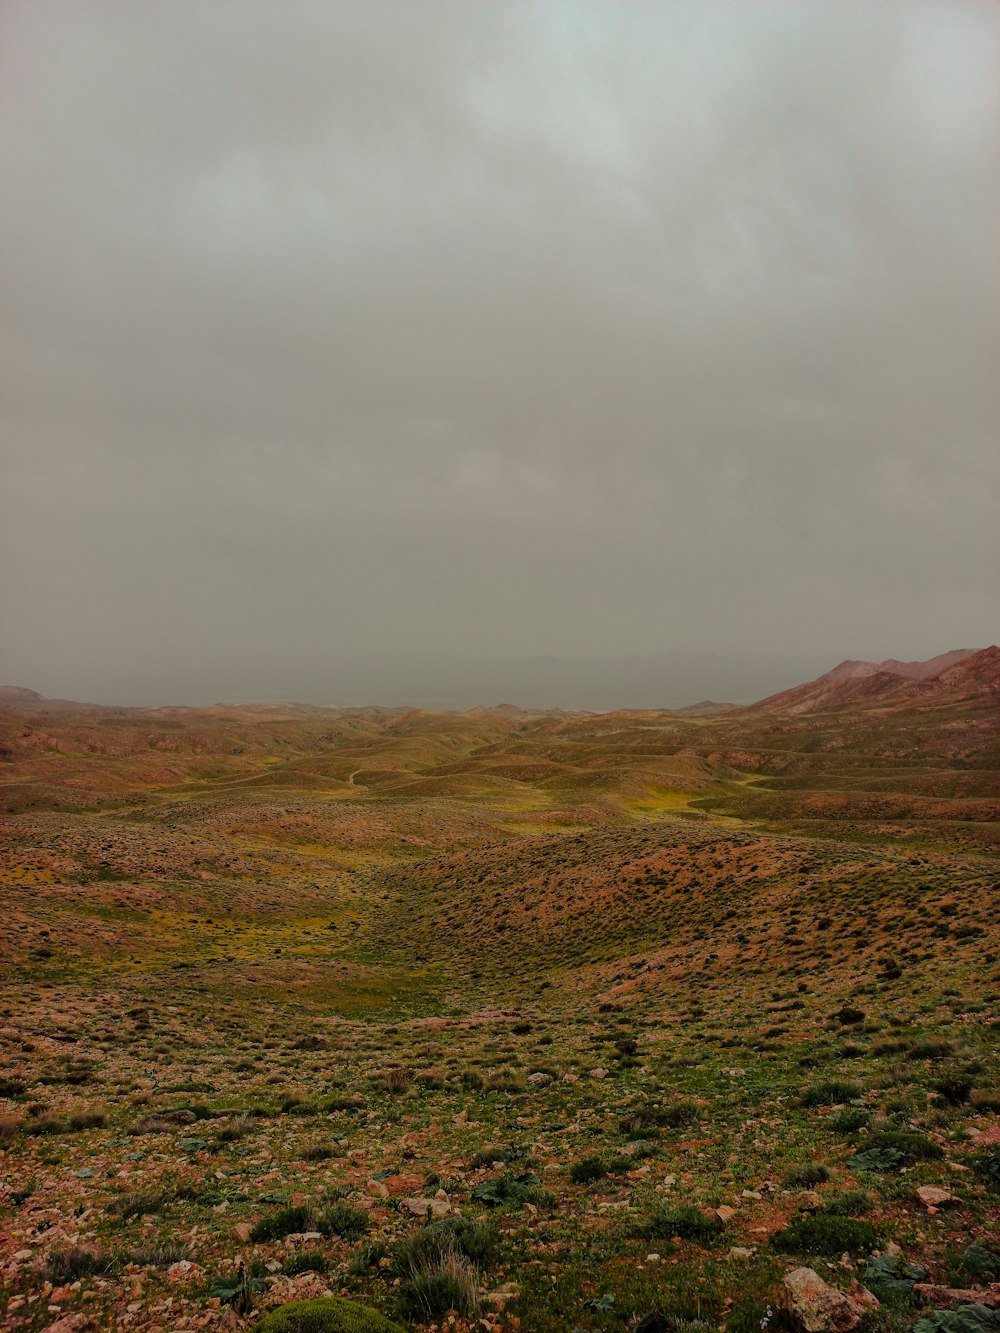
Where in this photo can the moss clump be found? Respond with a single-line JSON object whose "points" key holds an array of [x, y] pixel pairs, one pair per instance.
{"points": [[329, 1314]]}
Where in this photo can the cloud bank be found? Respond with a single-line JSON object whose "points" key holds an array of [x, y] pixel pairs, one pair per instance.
{"points": [[349, 336]]}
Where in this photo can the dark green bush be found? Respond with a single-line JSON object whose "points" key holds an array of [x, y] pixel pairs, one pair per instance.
{"points": [[955, 1088], [285, 1222], [686, 1222], [848, 1121], [987, 1167], [587, 1170], [826, 1233], [305, 1261], [829, 1093], [847, 1204], [807, 1174], [367, 1256], [343, 1220], [913, 1147]]}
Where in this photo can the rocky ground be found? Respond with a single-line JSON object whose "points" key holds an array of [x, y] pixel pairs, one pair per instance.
{"points": [[490, 1023]]}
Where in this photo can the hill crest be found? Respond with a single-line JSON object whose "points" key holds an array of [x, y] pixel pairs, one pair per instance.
{"points": [[961, 675]]}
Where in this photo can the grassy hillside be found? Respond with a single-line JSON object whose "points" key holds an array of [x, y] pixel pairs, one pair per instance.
{"points": [[648, 1008]]}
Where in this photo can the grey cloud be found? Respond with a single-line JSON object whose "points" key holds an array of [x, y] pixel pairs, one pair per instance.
{"points": [[341, 336]]}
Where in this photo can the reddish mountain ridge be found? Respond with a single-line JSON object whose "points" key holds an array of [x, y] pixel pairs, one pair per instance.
{"points": [[18, 694], [960, 676], [852, 670]]}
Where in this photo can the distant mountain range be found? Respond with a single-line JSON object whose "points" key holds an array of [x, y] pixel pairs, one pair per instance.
{"points": [[553, 684], [911, 670]]}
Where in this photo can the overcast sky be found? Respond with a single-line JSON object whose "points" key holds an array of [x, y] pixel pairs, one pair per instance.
{"points": [[338, 333]]}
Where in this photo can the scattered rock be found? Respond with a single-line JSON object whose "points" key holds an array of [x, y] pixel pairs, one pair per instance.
{"points": [[934, 1295], [820, 1308], [182, 1269], [72, 1323], [934, 1197], [724, 1213], [501, 1295], [422, 1207]]}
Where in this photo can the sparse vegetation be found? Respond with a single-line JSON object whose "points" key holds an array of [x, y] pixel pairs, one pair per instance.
{"points": [[565, 1020]]}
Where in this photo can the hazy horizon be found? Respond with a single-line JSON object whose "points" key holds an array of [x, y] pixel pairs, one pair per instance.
{"points": [[370, 349], [655, 681]]}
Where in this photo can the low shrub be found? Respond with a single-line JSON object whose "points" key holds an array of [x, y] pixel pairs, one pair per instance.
{"points": [[587, 1170], [159, 1256], [987, 1167], [955, 1088], [829, 1093], [343, 1220], [77, 1261], [826, 1233], [305, 1261], [451, 1283], [848, 1121], [807, 1174], [686, 1222], [367, 1256], [285, 1222], [319, 1152], [912, 1146]]}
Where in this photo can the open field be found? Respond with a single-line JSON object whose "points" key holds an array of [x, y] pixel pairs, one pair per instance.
{"points": [[550, 1021]]}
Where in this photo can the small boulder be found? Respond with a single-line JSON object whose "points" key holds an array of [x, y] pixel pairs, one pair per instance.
{"points": [[422, 1207], [948, 1296], [501, 1295], [819, 1308], [72, 1323], [934, 1197]]}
